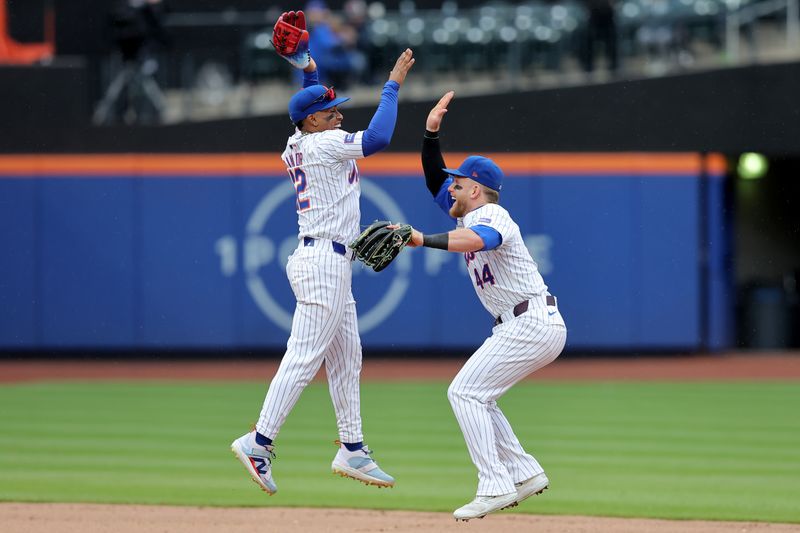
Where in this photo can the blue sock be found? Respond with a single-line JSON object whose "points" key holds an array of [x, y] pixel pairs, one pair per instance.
{"points": [[353, 446], [261, 440]]}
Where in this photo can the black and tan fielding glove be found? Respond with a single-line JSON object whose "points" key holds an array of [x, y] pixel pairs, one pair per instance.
{"points": [[380, 243]]}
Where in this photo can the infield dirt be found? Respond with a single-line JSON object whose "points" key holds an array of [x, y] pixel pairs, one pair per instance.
{"points": [[91, 518], [724, 367]]}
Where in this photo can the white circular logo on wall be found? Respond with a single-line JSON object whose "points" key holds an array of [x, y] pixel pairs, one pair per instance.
{"points": [[260, 250]]}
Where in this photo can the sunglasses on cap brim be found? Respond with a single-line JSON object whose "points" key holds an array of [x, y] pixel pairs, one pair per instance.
{"points": [[328, 96]]}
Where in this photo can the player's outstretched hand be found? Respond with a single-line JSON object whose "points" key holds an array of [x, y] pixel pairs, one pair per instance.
{"points": [[416, 236], [402, 66], [416, 239], [436, 115]]}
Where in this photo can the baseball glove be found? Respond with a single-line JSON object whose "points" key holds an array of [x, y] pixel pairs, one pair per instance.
{"points": [[290, 39], [378, 245]]}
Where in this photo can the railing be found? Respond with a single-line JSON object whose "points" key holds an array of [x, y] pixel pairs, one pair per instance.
{"points": [[495, 47], [745, 17]]}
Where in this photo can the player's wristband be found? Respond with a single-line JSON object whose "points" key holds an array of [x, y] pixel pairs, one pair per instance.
{"points": [[437, 240], [431, 134]]}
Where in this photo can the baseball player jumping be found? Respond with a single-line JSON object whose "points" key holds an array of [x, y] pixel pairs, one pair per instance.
{"points": [[528, 332], [320, 159]]}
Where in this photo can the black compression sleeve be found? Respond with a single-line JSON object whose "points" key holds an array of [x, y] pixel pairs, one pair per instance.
{"points": [[433, 162], [436, 240]]}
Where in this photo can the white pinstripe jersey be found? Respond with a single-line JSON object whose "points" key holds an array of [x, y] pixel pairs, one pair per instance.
{"points": [[507, 275], [323, 170]]}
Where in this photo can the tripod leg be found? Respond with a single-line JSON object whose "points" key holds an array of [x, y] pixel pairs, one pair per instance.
{"points": [[113, 92], [154, 95]]}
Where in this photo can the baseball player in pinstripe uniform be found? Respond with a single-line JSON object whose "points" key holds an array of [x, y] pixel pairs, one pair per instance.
{"points": [[321, 161], [528, 332]]}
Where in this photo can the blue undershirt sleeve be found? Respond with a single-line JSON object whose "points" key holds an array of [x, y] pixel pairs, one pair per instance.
{"points": [[443, 198], [310, 78], [379, 133], [491, 237]]}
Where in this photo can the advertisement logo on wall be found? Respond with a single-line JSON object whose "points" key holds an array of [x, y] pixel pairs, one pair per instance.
{"points": [[261, 250]]}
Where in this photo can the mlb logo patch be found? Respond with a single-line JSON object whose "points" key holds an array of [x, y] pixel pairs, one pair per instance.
{"points": [[484, 220], [349, 138]]}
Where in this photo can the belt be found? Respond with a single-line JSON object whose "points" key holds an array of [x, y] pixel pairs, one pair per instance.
{"points": [[338, 247], [521, 308]]}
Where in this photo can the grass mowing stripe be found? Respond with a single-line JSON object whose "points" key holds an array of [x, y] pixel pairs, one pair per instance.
{"points": [[746, 442], [697, 464], [648, 447], [685, 450]]}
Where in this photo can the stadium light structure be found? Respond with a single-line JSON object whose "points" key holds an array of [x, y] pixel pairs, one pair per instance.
{"points": [[752, 166]]}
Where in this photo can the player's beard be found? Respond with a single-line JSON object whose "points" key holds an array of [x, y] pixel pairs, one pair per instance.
{"points": [[457, 210]]}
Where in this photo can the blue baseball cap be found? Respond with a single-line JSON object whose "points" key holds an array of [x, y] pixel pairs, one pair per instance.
{"points": [[480, 169], [312, 99]]}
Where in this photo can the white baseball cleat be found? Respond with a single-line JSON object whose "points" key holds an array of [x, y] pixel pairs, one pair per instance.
{"points": [[535, 485], [483, 505], [257, 460], [360, 466]]}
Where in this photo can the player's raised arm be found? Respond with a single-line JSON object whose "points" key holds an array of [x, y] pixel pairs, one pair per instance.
{"points": [[379, 133], [310, 75], [432, 160]]}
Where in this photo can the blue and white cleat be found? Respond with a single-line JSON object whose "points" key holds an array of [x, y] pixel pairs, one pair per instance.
{"points": [[360, 466], [257, 460]]}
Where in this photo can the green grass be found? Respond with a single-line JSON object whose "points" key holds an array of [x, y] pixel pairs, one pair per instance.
{"points": [[727, 451]]}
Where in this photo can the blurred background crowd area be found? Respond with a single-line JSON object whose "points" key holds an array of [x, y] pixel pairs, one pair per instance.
{"points": [[142, 79], [176, 60]]}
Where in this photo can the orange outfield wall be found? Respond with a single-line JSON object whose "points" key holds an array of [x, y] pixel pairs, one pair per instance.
{"points": [[405, 164]]}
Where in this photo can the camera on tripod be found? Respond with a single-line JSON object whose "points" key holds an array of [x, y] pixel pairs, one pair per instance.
{"points": [[134, 95]]}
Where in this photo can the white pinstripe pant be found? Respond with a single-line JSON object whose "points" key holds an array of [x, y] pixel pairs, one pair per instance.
{"points": [[324, 329], [516, 348]]}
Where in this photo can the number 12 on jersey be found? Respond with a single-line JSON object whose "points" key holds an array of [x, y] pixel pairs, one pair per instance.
{"points": [[300, 185]]}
